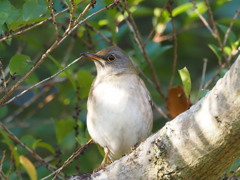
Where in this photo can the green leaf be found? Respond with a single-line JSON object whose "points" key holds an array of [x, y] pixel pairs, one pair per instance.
{"points": [[63, 127], [81, 140], [30, 168], [5, 8], [186, 80], [215, 50], [32, 9], [11, 146], [84, 81], [181, 9], [20, 64], [39, 143]]}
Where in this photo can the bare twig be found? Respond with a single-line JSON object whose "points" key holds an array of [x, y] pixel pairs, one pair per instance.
{"points": [[131, 23], [202, 18], [5, 37], [98, 32], [230, 27], [31, 152], [41, 82], [174, 35], [154, 27], [205, 60], [216, 33], [71, 14], [53, 18], [203, 73], [4, 84], [25, 105], [69, 160], [2, 175], [54, 45]]}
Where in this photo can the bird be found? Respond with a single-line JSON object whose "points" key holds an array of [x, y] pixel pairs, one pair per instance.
{"points": [[119, 110]]}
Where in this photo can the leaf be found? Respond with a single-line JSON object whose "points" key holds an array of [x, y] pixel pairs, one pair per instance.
{"points": [[39, 143], [32, 9], [63, 127], [11, 146], [20, 64], [177, 102], [81, 140], [181, 9], [5, 8], [29, 167], [186, 80], [84, 80], [215, 50]]}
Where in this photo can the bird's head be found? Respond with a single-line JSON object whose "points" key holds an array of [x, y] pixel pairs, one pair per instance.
{"points": [[111, 60]]}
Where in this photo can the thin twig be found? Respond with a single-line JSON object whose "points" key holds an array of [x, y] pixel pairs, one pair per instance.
{"points": [[69, 160], [174, 35], [161, 111], [2, 175], [157, 22], [216, 33], [132, 26], [205, 61], [25, 105], [98, 32], [4, 84], [203, 73], [5, 37], [230, 27], [215, 76], [41, 82], [71, 14], [202, 18], [54, 45], [31, 152], [53, 18]]}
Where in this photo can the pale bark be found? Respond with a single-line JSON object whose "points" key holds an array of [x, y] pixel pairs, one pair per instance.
{"points": [[201, 143]]}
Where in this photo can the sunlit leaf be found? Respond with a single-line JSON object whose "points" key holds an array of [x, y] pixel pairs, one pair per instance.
{"points": [[186, 80], [39, 143], [84, 81], [181, 9], [29, 167], [20, 64]]}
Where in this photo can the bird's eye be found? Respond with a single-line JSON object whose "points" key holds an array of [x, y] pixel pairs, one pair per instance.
{"points": [[111, 57]]}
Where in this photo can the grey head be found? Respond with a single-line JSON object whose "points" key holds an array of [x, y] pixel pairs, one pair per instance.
{"points": [[111, 60]]}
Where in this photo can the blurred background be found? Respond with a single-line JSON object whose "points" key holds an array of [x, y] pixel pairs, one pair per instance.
{"points": [[50, 119]]}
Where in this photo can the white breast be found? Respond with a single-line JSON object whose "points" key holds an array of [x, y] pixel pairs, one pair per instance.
{"points": [[119, 113]]}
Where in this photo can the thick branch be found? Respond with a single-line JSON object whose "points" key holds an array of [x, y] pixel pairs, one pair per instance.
{"points": [[201, 143]]}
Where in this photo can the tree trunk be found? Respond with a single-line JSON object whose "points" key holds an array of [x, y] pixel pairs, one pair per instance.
{"points": [[201, 143]]}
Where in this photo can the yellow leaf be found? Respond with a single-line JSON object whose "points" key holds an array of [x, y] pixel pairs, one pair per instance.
{"points": [[30, 168]]}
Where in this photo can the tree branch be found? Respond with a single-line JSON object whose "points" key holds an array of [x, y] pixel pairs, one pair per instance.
{"points": [[201, 143]]}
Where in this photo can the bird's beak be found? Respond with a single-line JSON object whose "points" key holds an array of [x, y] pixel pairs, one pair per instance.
{"points": [[93, 56]]}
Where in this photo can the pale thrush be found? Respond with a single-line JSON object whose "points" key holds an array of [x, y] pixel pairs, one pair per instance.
{"points": [[119, 105]]}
